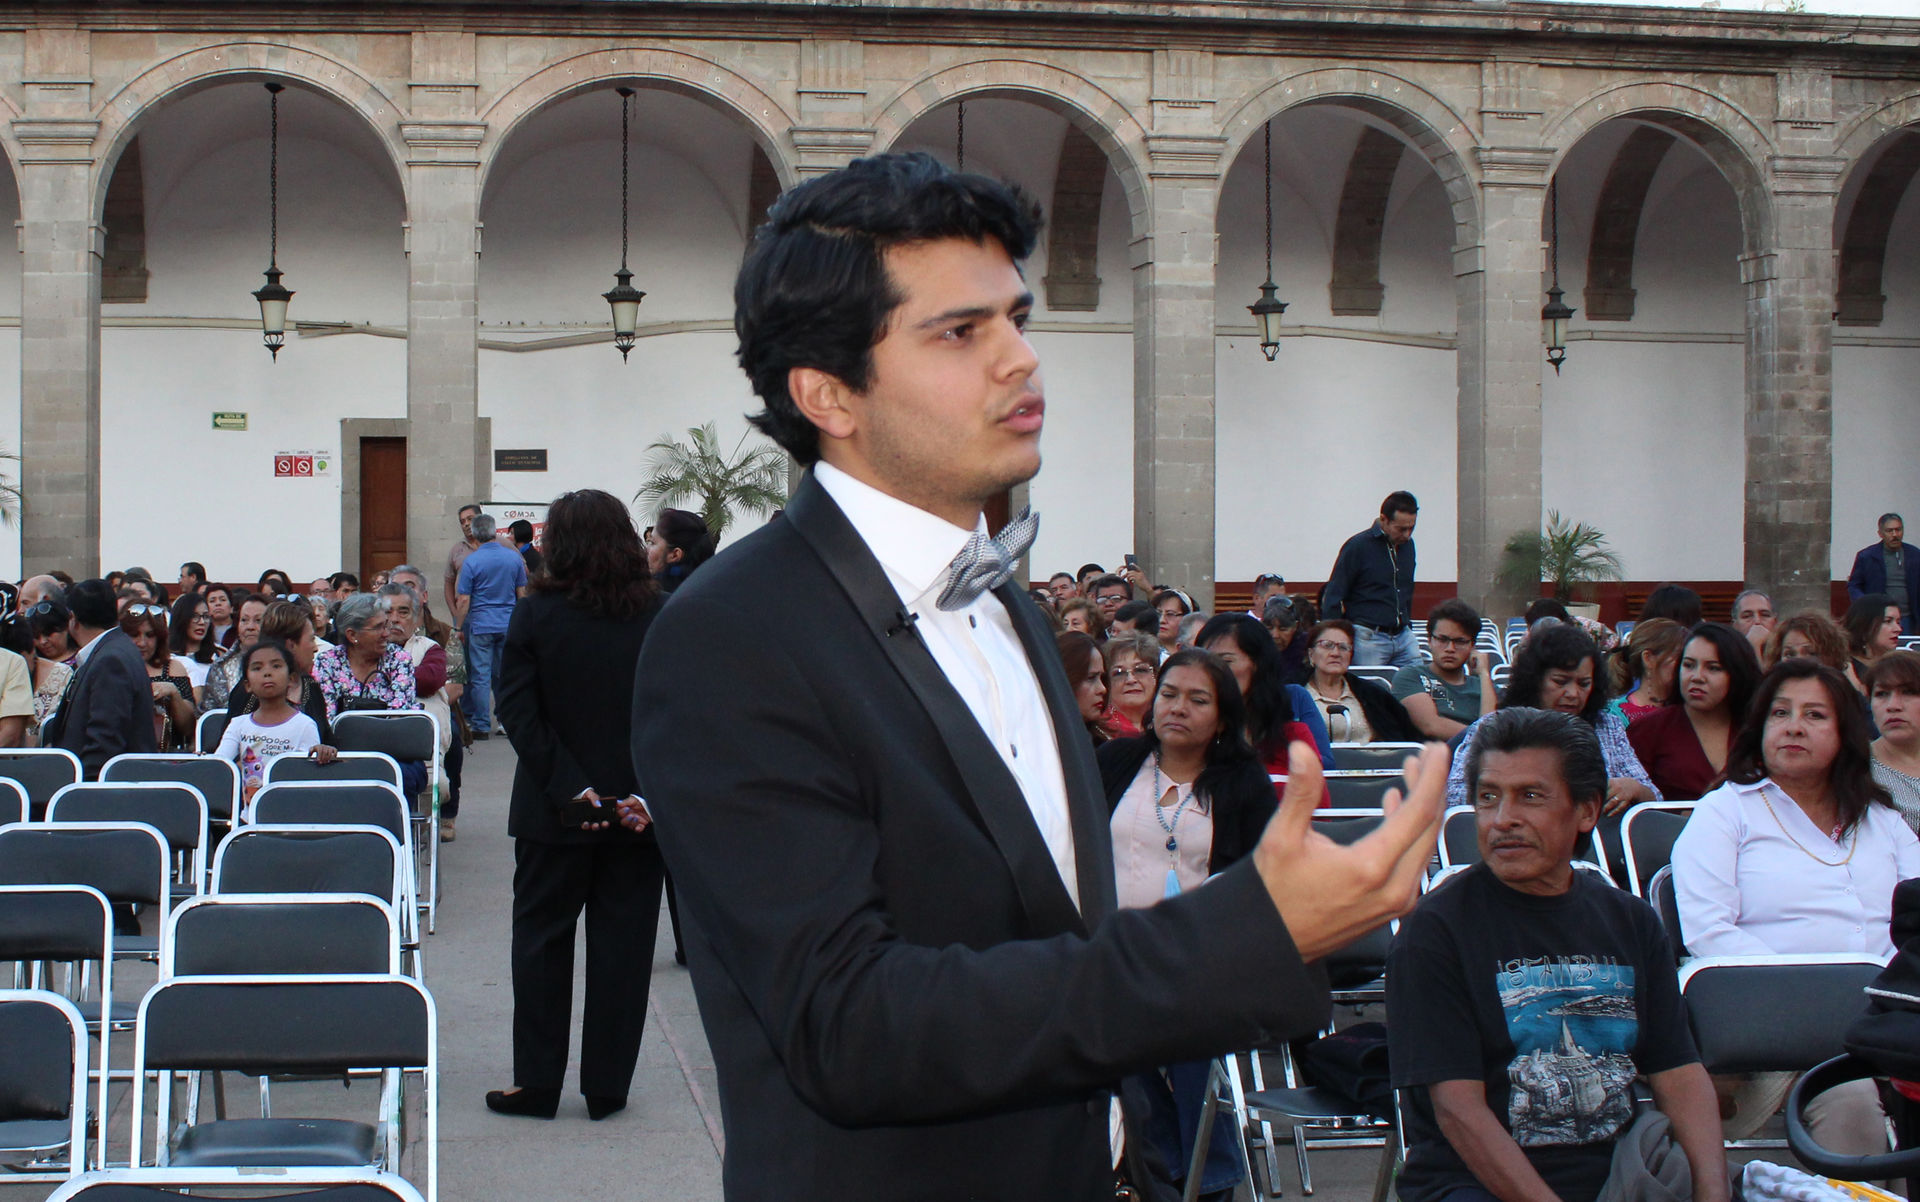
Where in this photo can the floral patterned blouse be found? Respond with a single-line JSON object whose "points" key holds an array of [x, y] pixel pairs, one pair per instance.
{"points": [[391, 683]]}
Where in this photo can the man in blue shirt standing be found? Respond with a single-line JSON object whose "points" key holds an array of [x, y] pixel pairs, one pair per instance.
{"points": [[1372, 586], [491, 580]]}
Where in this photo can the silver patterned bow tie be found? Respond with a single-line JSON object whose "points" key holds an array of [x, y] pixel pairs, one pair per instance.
{"points": [[987, 563]]}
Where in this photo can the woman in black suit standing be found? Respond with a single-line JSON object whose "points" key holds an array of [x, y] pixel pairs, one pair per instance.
{"points": [[566, 698]]}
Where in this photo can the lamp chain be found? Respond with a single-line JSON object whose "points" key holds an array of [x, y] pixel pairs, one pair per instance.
{"points": [[273, 179], [1553, 245], [960, 137], [626, 104], [1267, 130]]}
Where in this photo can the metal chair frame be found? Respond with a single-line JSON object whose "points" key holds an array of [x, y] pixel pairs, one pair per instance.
{"points": [[10, 789], [36, 976], [207, 731], [135, 948], [1636, 880], [427, 839], [25, 755], [189, 859], [185, 913], [1372, 757], [76, 1142], [223, 804], [277, 1180], [410, 854], [400, 895]]}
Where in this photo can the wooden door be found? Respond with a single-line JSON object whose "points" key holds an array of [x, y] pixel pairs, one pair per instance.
{"points": [[383, 505]]}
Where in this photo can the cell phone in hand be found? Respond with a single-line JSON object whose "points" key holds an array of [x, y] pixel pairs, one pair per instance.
{"points": [[578, 812], [1132, 560]]}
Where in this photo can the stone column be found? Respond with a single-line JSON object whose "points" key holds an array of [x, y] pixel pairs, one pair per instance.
{"points": [[1790, 303], [1499, 288], [60, 310], [1173, 359]]}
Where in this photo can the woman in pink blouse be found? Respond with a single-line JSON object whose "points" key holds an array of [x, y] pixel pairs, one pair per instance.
{"points": [[363, 670]]}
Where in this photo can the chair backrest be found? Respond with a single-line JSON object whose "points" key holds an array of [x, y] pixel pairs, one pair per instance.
{"points": [[333, 803], [218, 780], [310, 859], [1647, 835], [41, 771], [348, 765], [127, 861], [1459, 838], [276, 934], [1773, 1014], [43, 1065], [1372, 757], [402, 734], [60, 923], [1666, 903], [1359, 790], [1378, 673], [1347, 825], [14, 806], [208, 731], [183, 1184], [177, 811]]}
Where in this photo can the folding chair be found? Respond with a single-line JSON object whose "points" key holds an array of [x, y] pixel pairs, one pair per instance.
{"points": [[125, 861], [405, 735], [1773, 1014], [1360, 790], [208, 731], [1373, 757], [41, 771], [13, 798], [42, 925], [1647, 835], [1378, 673], [348, 803], [347, 766], [177, 811], [178, 1185], [1666, 904], [263, 1025], [259, 858], [275, 934], [43, 1085], [218, 780]]}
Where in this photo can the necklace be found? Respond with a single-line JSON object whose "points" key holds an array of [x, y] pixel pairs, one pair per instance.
{"points": [[1803, 849], [1160, 814]]}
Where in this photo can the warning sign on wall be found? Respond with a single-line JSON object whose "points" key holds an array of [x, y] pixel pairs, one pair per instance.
{"points": [[300, 465]]}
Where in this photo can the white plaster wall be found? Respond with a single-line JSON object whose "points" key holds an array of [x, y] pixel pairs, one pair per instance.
{"points": [[1084, 493], [9, 362]]}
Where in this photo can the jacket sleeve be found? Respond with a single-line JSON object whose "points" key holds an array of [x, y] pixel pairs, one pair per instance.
{"points": [[769, 827], [1857, 578], [106, 734], [431, 674], [1333, 598], [523, 712], [1307, 714]]}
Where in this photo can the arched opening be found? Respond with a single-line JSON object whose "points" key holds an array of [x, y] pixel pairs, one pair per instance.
{"points": [[549, 375], [1645, 419], [185, 203]]}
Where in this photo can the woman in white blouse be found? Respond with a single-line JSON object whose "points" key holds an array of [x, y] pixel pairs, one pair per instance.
{"points": [[1798, 852]]}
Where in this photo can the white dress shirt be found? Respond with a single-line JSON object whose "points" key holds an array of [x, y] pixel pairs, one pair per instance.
{"points": [[1754, 876], [975, 646]]}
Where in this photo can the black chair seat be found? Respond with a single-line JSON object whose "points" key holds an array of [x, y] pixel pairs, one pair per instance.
{"points": [[34, 1135], [125, 1013], [1309, 1103], [136, 947], [249, 1143]]}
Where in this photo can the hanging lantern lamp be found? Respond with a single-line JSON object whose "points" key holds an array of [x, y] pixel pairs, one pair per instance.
{"points": [[273, 296], [1268, 310], [624, 298]]}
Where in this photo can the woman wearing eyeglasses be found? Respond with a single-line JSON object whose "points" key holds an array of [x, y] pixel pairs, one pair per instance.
{"points": [[223, 678], [173, 706], [47, 653], [1355, 710], [190, 638], [1132, 662]]}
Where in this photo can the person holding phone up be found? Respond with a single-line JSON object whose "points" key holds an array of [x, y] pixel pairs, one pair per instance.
{"points": [[566, 698]]}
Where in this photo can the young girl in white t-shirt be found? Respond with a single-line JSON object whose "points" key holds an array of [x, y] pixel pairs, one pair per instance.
{"points": [[275, 727]]}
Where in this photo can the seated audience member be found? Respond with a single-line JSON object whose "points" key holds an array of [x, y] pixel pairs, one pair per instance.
{"points": [[290, 622], [1063, 587], [174, 713], [1044, 599], [193, 577], [47, 624], [275, 583], [47, 657], [363, 670], [1675, 601], [453, 764], [1753, 618], [429, 670], [323, 610], [342, 585], [128, 594], [1527, 996], [220, 613], [1873, 629], [1558, 668], [1684, 745], [35, 589], [1087, 671], [275, 726], [1893, 691], [223, 676], [1546, 607], [1285, 624], [1808, 635], [19, 717], [1135, 617], [1798, 852], [1266, 586], [1170, 606], [1108, 593], [114, 580], [190, 638], [1086, 575], [1082, 616], [1443, 696], [1278, 714], [1187, 636], [1643, 670], [1187, 799], [1355, 710], [1133, 660]]}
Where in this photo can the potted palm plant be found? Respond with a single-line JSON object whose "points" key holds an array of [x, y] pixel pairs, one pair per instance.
{"points": [[1571, 556], [750, 479]]}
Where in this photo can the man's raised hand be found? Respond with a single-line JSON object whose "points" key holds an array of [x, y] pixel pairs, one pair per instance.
{"points": [[1330, 894]]}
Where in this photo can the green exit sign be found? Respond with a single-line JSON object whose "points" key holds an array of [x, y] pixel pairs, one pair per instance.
{"points": [[229, 421]]}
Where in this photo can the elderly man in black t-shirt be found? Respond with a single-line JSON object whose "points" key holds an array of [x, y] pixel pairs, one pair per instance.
{"points": [[1525, 996]]}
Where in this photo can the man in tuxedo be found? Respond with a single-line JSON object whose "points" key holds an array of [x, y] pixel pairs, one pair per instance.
{"points": [[108, 705], [877, 798]]}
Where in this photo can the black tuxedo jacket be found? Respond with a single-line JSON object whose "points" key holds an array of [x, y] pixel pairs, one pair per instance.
{"points": [[108, 706], [901, 998]]}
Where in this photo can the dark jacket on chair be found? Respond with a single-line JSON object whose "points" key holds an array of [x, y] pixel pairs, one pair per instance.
{"points": [[1240, 809], [108, 706], [903, 1001]]}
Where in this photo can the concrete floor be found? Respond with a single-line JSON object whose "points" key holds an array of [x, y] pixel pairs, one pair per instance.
{"points": [[665, 1146]]}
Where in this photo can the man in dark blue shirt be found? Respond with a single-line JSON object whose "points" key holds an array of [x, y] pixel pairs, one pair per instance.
{"points": [[1372, 585], [490, 581], [1885, 567]]}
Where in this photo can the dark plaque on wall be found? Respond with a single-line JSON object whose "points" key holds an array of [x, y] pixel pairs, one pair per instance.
{"points": [[530, 460]]}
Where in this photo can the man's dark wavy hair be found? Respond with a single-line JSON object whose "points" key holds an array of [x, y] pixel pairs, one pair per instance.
{"points": [[814, 290]]}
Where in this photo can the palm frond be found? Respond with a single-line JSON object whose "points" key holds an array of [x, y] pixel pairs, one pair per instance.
{"points": [[695, 473], [1566, 554]]}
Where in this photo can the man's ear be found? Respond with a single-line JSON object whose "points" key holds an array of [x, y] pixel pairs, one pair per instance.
{"points": [[1589, 814], [822, 399]]}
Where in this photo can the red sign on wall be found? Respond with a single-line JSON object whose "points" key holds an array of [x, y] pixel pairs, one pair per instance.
{"points": [[293, 464]]}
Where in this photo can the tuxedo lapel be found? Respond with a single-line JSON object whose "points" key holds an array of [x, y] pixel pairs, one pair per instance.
{"points": [[992, 791], [1086, 800]]}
